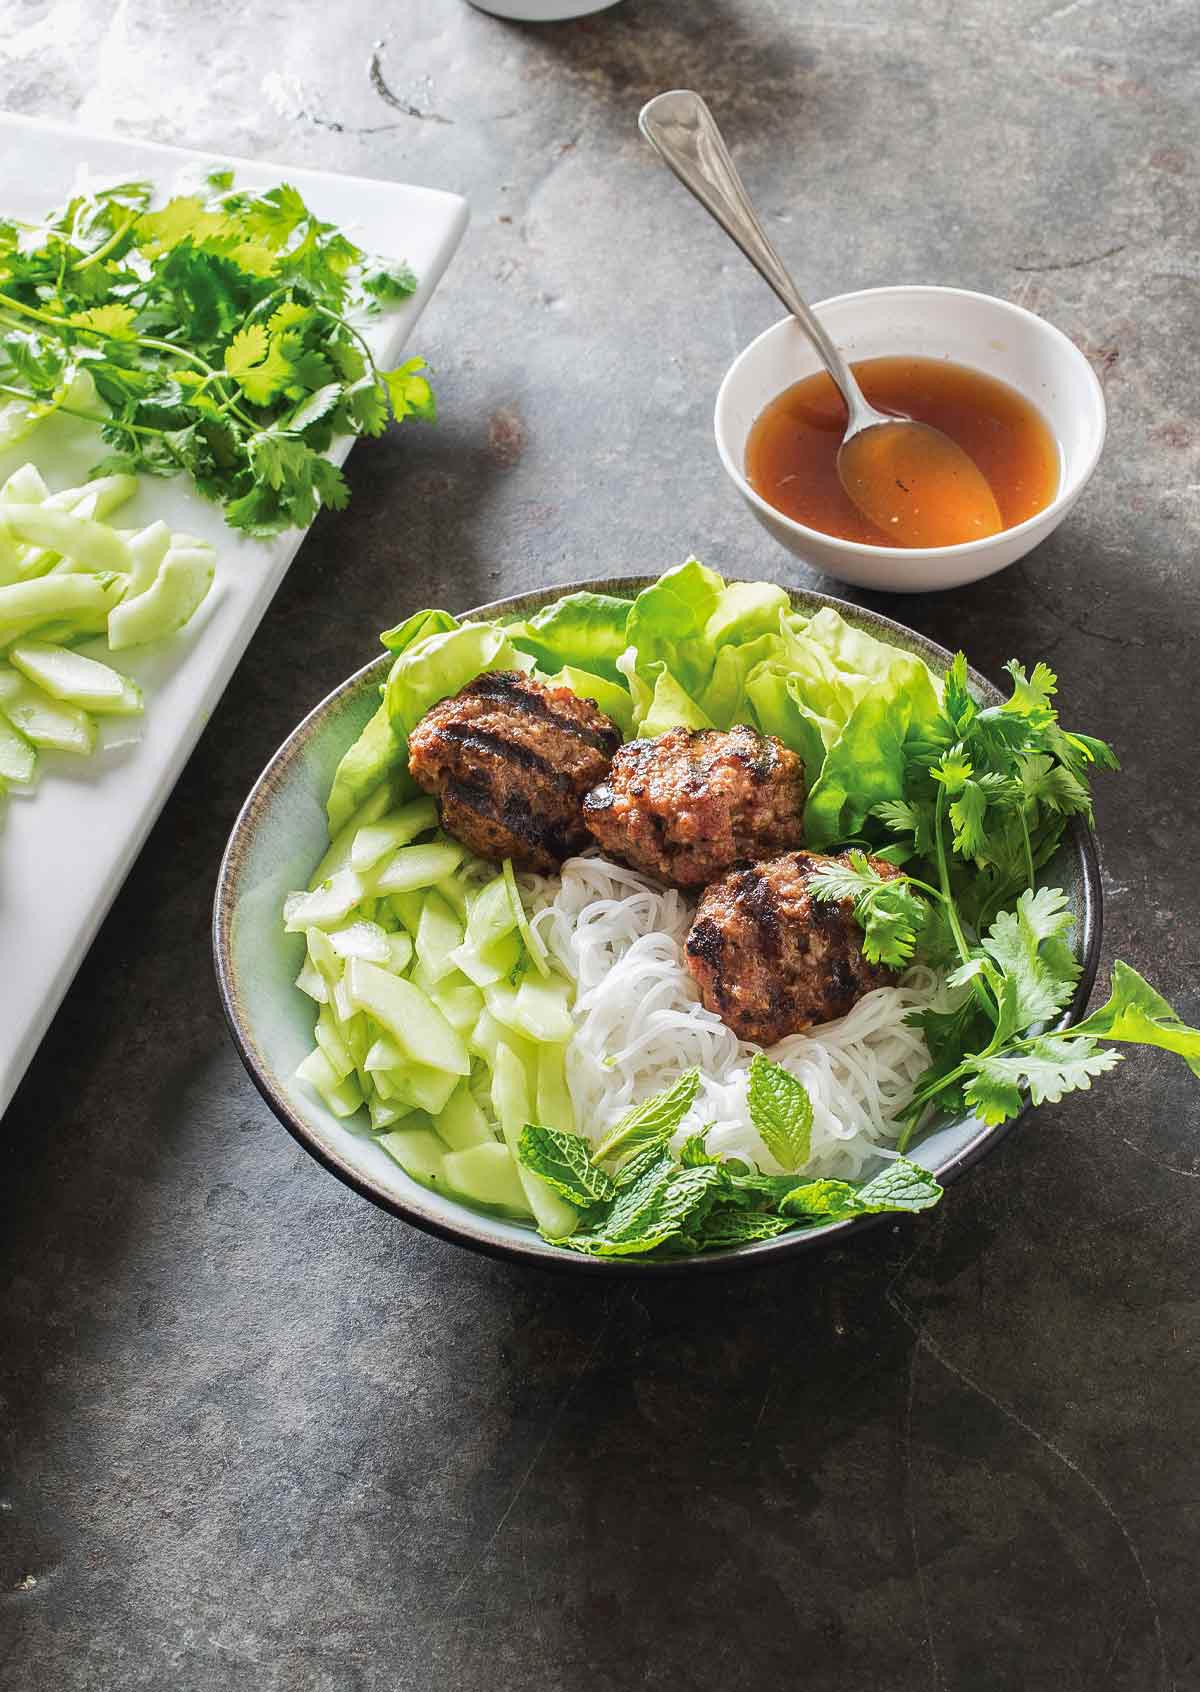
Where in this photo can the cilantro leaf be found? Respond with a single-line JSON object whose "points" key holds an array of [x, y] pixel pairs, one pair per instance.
{"points": [[255, 362], [890, 913], [390, 282], [1134, 1012], [565, 1162], [781, 1111], [1028, 946], [217, 317], [409, 392], [1049, 1066]]}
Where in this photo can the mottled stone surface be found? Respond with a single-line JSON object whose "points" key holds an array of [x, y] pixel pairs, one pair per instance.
{"points": [[258, 1435]]}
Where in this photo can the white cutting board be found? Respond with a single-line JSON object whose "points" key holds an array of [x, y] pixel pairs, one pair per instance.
{"points": [[66, 847]]}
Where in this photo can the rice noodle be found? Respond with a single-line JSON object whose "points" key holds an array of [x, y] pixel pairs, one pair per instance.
{"points": [[639, 1023]]}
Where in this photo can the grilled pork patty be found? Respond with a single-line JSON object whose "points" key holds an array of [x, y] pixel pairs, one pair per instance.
{"points": [[770, 959], [691, 802], [509, 761]]}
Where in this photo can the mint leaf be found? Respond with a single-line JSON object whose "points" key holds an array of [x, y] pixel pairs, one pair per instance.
{"points": [[1137, 1014], [900, 1185], [693, 1154], [781, 1111], [565, 1162], [664, 1205], [652, 1121], [727, 1225], [824, 1201]]}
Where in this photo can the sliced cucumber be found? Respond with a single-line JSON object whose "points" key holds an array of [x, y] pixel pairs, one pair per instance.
{"points": [[438, 933], [400, 951], [543, 1009], [18, 756], [486, 1174], [342, 1097], [459, 1001], [92, 544], [25, 487], [406, 908], [494, 963], [327, 906], [183, 579], [362, 940], [338, 854], [384, 1113], [510, 1098], [77, 680], [412, 1019], [534, 944], [491, 916], [48, 722], [461, 1121], [428, 1089], [419, 1153], [83, 602], [147, 549], [311, 981], [376, 839], [554, 1106], [331, 1042], [416, 866]]}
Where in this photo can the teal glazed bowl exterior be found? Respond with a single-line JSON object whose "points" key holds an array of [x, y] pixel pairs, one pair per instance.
{"points": [[281, 833]]}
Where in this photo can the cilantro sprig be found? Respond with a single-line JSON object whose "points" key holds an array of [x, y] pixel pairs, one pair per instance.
{"points": [[988, 794], [218, 337]]}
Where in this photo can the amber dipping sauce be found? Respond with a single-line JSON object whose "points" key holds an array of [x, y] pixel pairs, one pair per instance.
{"points": [[791, 453]]}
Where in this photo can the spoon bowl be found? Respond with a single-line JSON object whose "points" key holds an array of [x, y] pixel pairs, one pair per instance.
{"points": [[916, 485], [881, 455]]}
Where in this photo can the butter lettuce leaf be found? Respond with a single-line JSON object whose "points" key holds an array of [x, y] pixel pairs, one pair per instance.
{"points": [[587, 630]]}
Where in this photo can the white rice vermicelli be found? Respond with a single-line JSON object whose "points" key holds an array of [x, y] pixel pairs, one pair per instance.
{"points": [[639, 1023]]}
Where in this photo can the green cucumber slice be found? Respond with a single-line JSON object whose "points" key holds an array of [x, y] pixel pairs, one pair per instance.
{"points": [[183, 579], [77, 680]]}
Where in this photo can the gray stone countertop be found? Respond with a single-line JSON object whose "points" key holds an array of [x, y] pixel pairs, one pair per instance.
{"points": [[257, 1434]]}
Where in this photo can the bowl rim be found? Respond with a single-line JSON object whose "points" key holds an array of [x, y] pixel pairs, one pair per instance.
{"points": [[471, 1231], [1047, 517]]}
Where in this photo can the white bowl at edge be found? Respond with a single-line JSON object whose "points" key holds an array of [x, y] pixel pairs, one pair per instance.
{"points": [[988, 334]]}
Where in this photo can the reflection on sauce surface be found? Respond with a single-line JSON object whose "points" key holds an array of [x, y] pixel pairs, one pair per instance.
{"points": [[791, 453]]}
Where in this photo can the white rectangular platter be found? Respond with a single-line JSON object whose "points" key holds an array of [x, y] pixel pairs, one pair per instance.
{"points": [[66, 847]]}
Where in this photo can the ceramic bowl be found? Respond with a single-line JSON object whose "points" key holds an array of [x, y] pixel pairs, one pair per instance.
{"points": [[281, 834], [542, 11], [990, 335]]}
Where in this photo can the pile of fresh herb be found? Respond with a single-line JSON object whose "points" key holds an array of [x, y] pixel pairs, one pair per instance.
{"points": [[636, 1196], [988, 792], [218, 338]]}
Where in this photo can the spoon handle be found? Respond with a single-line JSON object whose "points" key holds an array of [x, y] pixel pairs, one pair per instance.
{"points": [[684, 132]]}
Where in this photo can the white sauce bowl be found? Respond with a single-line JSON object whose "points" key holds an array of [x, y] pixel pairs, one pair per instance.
{"points": [[987, 334]]}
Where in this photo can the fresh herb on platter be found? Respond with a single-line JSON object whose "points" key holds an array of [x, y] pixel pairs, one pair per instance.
{"points": [[219, 337]]}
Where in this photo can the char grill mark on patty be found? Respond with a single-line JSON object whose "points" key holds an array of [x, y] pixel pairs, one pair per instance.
{"points": [[757, 898], [688, 804], [772, 960], [504, 687], [509, 760], [508, 751]]}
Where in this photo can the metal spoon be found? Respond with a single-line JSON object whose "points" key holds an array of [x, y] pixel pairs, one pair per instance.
{"points": [[916, 485]]}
